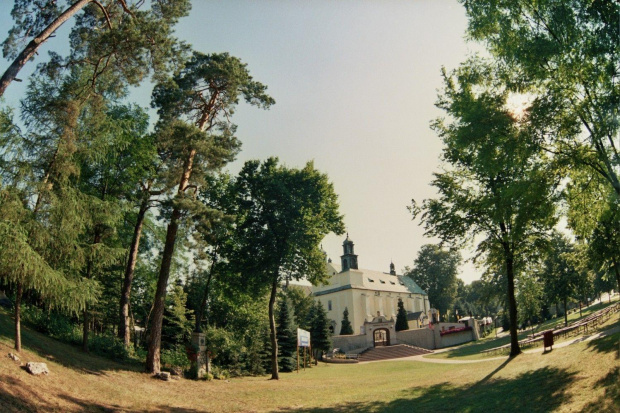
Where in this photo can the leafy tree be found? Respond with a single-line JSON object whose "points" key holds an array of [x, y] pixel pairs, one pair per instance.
{"points": [[560, 274], [196, 138], [287, 337], [282, 216], [401, 317], [565, 54], [116, 36], [529, 298], [498, 189], [346, 329], [319, 331], [301, 302], [435, 270]]}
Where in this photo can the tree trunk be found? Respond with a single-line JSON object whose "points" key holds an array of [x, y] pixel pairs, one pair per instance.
{"points": [[153, 364], [124, 330], [580, 309], [85, 330], [153, 357], [18, 316], [512, 304], [565, 313], [205, 296], [31, 48], [89, 273], [272, 327]]}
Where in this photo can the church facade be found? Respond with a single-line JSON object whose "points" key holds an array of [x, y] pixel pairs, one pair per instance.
{"points": [[368, 295]]}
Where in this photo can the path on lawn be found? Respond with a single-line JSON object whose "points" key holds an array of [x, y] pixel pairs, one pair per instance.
{"points": [[535, 350]]}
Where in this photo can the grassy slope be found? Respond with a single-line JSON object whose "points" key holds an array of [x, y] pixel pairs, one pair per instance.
{"points": [[473, 350], [581, 377]]}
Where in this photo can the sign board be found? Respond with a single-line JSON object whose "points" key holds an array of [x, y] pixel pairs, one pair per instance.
{"points": [[303, 338]]}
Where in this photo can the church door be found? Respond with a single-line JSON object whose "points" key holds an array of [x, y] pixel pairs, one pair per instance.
{"points": [[382, 337]]}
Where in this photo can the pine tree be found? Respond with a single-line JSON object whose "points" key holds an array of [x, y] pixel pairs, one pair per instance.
{"points": [[346, 328], [319, 332], [401, 317], [287, 337]]}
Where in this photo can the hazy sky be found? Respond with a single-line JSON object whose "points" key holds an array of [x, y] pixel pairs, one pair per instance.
{"points": [[355, 84]]}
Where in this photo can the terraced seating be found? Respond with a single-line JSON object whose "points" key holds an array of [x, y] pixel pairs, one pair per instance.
{"points": [[391, 352]]}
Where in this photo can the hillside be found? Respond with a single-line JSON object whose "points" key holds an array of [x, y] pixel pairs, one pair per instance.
{"points": [[580, 377]]}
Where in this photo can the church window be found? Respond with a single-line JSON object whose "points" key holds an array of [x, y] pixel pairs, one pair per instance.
{"points": [[377, 293], [392, 282], [382, 282], [371, 280], [401, 283], [329, 305]]}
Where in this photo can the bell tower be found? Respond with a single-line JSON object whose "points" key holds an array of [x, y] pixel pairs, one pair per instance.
{"points": [[348, 259]]}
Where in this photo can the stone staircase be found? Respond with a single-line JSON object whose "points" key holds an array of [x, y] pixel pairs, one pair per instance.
{"points": [[391, 352]]}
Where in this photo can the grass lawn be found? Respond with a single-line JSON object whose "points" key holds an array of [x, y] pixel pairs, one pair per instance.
{"points": [[473, 350], [580, 377]]}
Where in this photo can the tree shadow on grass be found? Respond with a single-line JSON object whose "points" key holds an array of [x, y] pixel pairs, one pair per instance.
{"points": [[606, 344], [611, 401], [541, 390]]}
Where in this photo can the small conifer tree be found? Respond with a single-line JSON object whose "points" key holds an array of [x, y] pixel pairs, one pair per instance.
{"points": [[319, 332], [287, 337], [346, 329], [401, 317]]}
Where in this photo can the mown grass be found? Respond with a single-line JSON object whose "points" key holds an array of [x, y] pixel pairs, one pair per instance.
{"points": [[474, 350], [581, 377]]}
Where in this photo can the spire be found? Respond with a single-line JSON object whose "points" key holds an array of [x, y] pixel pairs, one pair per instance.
{"points": [[392, 268], [348, 259]]}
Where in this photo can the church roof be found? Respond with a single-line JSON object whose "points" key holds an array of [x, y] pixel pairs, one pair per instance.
{"points": [[370, 280]]}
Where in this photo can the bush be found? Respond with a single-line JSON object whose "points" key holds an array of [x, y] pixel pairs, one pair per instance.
{"points": [[109, 346], [219, 373], [52, 323], [175, 357]]}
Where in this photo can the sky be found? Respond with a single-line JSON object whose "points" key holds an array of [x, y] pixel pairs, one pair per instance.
{"points": [[355, 84]]}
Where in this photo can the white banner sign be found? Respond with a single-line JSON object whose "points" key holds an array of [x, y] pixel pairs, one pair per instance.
{"points": [[303, 338]]}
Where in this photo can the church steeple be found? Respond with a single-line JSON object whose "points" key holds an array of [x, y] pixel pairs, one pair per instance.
{"points": [[392, 268], [348, 259]]}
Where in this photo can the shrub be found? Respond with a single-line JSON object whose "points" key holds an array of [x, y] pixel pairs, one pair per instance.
{"points": [[109, 346], [175, 357]]}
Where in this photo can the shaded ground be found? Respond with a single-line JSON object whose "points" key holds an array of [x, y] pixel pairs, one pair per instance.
{"points": [[580, 377]]}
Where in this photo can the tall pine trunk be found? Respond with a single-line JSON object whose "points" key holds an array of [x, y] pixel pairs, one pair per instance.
{"points": [[153, 363], [124, 329], [272, 328], [18, 315], [31, 48]]}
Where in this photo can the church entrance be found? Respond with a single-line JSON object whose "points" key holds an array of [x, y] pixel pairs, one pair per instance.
{"points": [[382, 337]]}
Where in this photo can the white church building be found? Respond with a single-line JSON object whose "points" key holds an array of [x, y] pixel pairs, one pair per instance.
{"points": [[370, 296]]}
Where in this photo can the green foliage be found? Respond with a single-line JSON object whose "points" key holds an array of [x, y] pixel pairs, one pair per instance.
{"points": [[499, 190], [178, 320], [565, 55], [435, 270], [287, 337], [319, 331], [346, 328], [301, 303], [401, 317], [529, 299], [119, 39], [175, 356]]}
